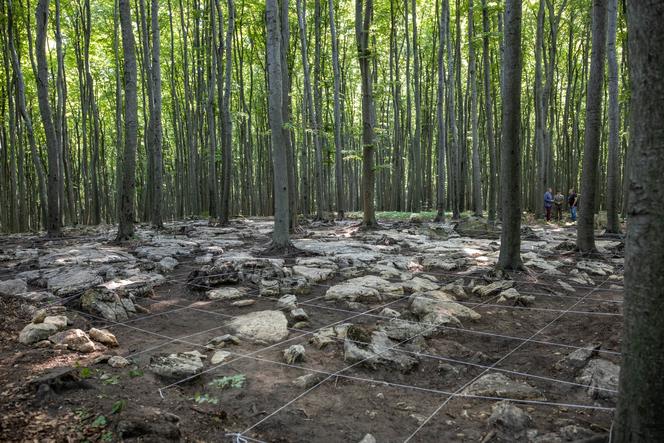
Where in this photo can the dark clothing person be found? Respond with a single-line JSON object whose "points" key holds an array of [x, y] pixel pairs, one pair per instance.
{"points": [[558, 201], [573, 202], [548, 203]]}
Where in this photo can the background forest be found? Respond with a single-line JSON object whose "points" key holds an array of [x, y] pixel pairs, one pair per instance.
{"points": [[203, 129]]}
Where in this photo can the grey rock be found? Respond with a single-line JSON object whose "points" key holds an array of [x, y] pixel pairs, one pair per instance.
{"points": [[368, 438], [243, 303], [578, 358], [269, 288], [509, 422], [298, 315], [220, 357], [307, 381], [13, 287], [264, 327], [59, 321], [74, 339], [380, 351], [601, 376], [294, 354], [313, 274], [493, 288], [287, 302], [103, 336], [575, 433], [167, 264], [496, 384], [36, 332], [118, 362], [418, 284], [69, 281], [178, 366], [400, 330], [388, 312], [226, 293], [223, 340], [105, 303], [364, 289]]}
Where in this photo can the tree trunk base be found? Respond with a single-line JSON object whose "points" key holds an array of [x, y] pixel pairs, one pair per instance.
{"points": [[371, 226], [289, 250]]}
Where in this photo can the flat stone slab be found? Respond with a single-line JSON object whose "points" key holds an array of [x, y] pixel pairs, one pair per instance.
{"points": [[499, 385], [264, 327]]}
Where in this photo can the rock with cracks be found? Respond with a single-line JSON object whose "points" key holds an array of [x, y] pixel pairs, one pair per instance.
{"points": [[176, 366], [601, 376], [498, 385], [263, 327], [381, 351], [509, 422]]}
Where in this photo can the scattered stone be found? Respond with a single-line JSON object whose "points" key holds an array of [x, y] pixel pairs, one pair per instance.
{"points": [[223, 340], [439, 308], [287, 302], [219, 357], [566, 286], [313, 274], [73, 339], [368, 438], [380, 351], [578, 358], [415, 219], [177, 366], [388, 312], [70, 281], [307, 381], [59, 321], [167, 264], [118, 362], [601, 376], [13, 287], [575, 433], [58, 381], [496, 384], [513, 297], [301, 325], [294, 354], [263, 327], [148, 424], [418, 284], [401, 330], [107, 304], [269, 288], [225, 293], [364, 289], [294, 285], [509, 422], [493, 288], [243, 303], [595, 268], [298, 315], [103, 336], [39, 316], [36, 332]]}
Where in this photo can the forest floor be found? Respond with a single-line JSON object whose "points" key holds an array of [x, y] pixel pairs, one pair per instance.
{"points": [[407, 334]]}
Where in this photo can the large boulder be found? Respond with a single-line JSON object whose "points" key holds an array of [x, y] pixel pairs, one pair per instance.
{"points": [[13, 287], [176, 366], [35, 332], [105, 303], [493, 288], [509, 422], [70, 281], [496, 384], [601, 376], [313, 274], [74, 339], [440, 308], [380, 351], [419, 284], [368, 288], [264, 327]]}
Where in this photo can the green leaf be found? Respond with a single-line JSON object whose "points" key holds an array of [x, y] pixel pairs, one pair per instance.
{"points": [[99, 422], [235, 381], [118, 406], [136, 372], [107, 436], [85, 372]]}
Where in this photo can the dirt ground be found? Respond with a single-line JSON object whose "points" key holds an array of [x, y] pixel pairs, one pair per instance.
{"points": [[346, 401]]}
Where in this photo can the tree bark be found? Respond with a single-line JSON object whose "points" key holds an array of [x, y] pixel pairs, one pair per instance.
{"points": [[362, 27], [613, 162], [157, 131], [53, 224], [338, 159], [585, 241], [127, 187], [488, 102], [640, 411], [472, 78], [227, 124], [280, 235], [510, 161], [442, 127]]}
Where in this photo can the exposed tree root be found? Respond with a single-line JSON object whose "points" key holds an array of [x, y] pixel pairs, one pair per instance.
{"points": [[289, 250]]}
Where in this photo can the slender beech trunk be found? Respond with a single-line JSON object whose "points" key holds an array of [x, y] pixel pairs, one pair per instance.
{"points": [[510, 161], [585, 241], [442, 127], [227, 128], [338, 162], [472, 78], [280, 235], [157, 130], [488, 104], [362, 28], [127, 187], [640, 412], [53, 224], [613, 163], [212, 128], [417, 145]]}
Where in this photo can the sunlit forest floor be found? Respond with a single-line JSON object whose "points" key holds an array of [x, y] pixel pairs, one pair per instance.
{"points": [[403, 333]]}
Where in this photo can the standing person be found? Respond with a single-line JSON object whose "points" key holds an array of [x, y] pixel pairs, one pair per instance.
{"points": [[573, 202], [558, 201], [548, 203]]}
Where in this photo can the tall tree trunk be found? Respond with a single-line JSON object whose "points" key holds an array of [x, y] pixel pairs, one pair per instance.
{"points": [[157, 131], [613, 166], [127, 187], [417, 146], [53, 224], [510, 161], [227, 128], [488, 102], [338, 159], [280, 235], [362, 28], [585, 241], [212, 128], [472, 78], [640, 413], [441, 126]]}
